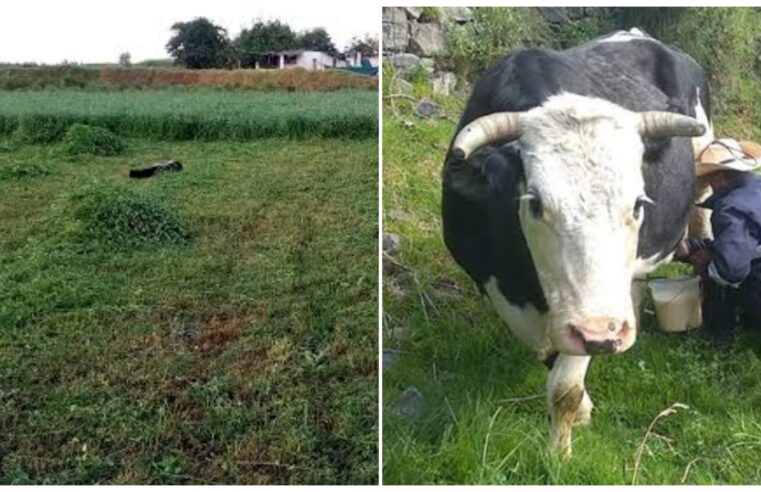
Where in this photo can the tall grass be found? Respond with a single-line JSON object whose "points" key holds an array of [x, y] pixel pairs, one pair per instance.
{"points": [[492, 34], [178, 114]]}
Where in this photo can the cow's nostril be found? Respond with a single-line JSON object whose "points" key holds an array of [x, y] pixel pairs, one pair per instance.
{"points": [[611, 327]]}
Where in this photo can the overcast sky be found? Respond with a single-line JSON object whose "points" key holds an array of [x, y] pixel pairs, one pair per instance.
{"points": [[98, 31]]}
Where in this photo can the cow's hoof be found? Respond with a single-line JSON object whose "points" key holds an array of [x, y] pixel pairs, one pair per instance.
{"points": [[582, 419]]}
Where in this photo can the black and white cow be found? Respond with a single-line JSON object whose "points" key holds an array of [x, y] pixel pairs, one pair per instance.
{"points": [[568, 180]]}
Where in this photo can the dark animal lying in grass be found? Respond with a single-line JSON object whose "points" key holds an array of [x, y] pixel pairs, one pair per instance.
{"points": [[566, 183], [160, 167]]}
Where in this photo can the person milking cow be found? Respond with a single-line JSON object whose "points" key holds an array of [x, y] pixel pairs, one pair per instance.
{"points": [[730, 263]]}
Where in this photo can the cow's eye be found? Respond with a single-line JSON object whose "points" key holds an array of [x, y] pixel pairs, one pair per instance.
{"points": [[535, 206], [641, 202]]}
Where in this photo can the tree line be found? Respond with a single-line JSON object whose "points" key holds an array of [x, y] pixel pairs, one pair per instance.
{"points": [[202, 44]]}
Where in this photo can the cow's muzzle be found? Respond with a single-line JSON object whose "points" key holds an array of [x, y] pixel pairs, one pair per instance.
{"points": [[600, 335]]}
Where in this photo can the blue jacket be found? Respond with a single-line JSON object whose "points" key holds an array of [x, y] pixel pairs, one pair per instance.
{"points": [[736, 224]]}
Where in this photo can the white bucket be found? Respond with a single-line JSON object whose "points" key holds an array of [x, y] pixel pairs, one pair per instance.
{"points": [[677, 303]]}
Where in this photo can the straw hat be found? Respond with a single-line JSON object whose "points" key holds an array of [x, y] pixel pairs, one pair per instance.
{"points": [[728, 154]]}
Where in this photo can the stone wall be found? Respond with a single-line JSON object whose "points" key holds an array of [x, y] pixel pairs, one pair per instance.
{"points": [[417, 37]]}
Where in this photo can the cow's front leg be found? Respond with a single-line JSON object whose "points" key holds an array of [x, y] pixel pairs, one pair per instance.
{"points": [[568, 400]]}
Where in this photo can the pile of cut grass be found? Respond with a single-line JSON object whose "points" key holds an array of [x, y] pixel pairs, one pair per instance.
{"points": [[92, 140], [192, 114], [124, 217]]}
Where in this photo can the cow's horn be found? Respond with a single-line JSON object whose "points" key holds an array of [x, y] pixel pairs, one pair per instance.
{"points": [[485, 130], [665, 124]]}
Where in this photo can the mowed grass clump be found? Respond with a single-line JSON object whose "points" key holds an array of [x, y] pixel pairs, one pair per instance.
{"points": [[124, 217], [93, 140], [191, 114]]}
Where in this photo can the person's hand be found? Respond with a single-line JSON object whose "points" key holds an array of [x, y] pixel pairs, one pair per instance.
{"points": [[700, 260], [682, 252]]}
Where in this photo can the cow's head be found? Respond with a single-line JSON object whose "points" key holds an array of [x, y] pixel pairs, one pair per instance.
{"points": [[581, 207]]}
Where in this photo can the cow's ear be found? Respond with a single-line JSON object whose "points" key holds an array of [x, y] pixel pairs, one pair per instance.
{"points": [[488, 171]]}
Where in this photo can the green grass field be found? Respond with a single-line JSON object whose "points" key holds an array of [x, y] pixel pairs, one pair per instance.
{"points": [[194, 114], [216, 325], [476, 425]]}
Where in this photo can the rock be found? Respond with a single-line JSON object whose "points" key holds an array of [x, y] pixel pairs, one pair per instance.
{"points": [[427, 109], [404, 61], [414, 12], [400, 86], [552, 14], [400, 215], [428, 39], [428, 64], [392, 244], [562, 14], [390, 357], [444, 83], [410, 403], [464, 88], [396, 29], [457, 15], [597, 11]]}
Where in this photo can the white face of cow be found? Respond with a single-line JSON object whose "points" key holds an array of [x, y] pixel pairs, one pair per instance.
{"points": [[581, 211]]}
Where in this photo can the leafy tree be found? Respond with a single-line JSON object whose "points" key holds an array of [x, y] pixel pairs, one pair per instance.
{"points": [[200, 44], [367, 46], [317, 39], [125, 60], [264, 37]]}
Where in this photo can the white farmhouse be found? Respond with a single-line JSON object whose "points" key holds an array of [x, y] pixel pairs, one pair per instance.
{"points": [[309, 60]]}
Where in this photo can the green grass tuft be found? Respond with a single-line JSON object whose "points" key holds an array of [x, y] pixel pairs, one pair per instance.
{"points": [[93, 140], [494, 32], [124, 217]]}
